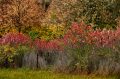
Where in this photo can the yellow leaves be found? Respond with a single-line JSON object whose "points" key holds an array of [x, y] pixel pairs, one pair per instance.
{"points": [[49, 31], [6, 29], [8, 49], [57, 29]]}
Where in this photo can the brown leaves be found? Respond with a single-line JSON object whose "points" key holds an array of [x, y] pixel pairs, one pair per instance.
{"points": [[21, 13]]}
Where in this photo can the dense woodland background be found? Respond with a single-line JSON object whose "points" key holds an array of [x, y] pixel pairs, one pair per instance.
{"points": [[80, 36], [25, 15]]}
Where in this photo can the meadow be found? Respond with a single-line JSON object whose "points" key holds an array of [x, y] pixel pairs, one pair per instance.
{"points": [[42, 74]]}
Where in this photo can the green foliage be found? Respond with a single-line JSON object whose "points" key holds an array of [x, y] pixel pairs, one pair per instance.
{"points": [[79, 56], [22, 49], [33, 35], [9, 52], [99, 13], [47, 32], [91, 59]]}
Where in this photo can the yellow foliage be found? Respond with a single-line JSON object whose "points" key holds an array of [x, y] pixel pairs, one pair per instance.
{"points": [[8, 49], [57, 30], [53, 31], [49, 31], [6, 29]]}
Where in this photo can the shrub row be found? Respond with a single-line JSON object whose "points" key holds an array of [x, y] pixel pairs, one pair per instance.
{"points": [[82, 50]]}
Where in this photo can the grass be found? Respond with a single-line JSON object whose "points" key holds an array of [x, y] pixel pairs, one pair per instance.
{"points": [[35, 74]]}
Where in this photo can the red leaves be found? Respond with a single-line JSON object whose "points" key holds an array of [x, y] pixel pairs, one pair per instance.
{"points": [[86, 34], [15, 39], [77, 33], [40, 44], [105, 37], [44, 45]]}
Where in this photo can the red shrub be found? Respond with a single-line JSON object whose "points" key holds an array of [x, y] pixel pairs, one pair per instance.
{"points": [[40, 44], [15, 39], [77, 33], [86, 34], [44, 45], [21, 39], [105, 37]]}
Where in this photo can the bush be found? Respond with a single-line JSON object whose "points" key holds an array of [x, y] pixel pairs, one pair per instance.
{"points": [[14, 47], [92, 51], [82, 50]]}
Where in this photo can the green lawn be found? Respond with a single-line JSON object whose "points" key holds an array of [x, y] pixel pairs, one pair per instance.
{"points": [[30, 74]]}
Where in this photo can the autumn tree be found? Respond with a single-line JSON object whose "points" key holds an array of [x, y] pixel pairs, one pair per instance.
{"points": [[100, 13], [5, 21], [21, 14]]}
